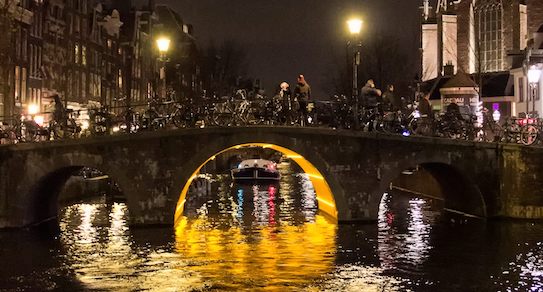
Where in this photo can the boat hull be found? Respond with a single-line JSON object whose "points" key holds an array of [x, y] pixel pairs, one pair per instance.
{"points": [[254, 173]]}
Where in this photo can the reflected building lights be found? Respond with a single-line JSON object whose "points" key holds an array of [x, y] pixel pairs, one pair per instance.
{"points": [[309, 198], [285, 189], [418, 237], [239, 212], [87, 232], [529, 268], [397, 247], [111, 263], [271, 205]]}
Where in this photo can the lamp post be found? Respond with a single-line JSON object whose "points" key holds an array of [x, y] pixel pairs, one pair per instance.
{"points": [[355, 26], [163, 44], [534, 75]]}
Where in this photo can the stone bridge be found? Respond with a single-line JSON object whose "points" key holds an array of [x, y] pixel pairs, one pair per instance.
{"points": [[350, 171]]}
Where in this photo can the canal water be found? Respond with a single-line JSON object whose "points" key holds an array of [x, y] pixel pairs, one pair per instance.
{"points": [[271, 237]]}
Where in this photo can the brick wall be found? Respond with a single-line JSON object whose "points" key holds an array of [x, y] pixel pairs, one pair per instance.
{"points": [[511, 28], [462, 10], [535, 16]]}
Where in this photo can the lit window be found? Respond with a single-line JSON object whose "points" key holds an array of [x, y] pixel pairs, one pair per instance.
{"points": [[84, 55], [76, 53]]}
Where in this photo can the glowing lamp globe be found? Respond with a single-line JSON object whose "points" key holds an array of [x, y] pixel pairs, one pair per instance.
{"points": [[534, 74], [355, 26], [163, 44], [33, 109]]}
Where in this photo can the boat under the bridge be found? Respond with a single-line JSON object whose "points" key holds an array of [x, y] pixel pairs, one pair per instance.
{"points": [[256, 170]]}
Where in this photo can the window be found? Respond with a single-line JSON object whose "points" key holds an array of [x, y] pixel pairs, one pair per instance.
{"points": [[488, 14], [24, 44], [77, 24], [76, 54], [83, 85], [521, 89], [17, 83], [23, 85], [83, 55], [32, 61]]}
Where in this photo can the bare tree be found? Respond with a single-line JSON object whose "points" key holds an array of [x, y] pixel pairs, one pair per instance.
{"points": [[337, 78], [225, 66], [383, 60]]}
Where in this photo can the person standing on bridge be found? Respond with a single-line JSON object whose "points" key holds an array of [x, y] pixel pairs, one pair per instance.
{"points": [[370, 95], [391, 101], [59, 113], [284, 91], [302, 93]]}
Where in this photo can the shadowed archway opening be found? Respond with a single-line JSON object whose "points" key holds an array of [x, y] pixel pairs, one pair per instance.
{"points": [[68, 186], [443, 183], [417, 205], [324, 196]]}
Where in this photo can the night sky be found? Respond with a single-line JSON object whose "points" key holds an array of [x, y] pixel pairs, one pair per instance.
{"points": [[284, 38]]}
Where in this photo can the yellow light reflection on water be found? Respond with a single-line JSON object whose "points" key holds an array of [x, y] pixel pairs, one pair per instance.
{"points": [[236, 258], [327, 203]]}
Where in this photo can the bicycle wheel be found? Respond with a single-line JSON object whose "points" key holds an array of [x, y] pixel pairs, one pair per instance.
{"points": [[528, 135], [178, 119]]}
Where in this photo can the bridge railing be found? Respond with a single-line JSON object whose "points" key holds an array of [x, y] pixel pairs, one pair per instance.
{"points": [[231, 112]]}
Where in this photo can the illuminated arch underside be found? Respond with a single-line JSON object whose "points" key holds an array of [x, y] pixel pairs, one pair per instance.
{"points": [[324, 195]]}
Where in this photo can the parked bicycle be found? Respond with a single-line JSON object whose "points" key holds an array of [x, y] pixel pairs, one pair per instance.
{"points": [[67, 128]]}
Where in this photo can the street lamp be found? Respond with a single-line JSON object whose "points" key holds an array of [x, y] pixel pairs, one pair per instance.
{"points": [[33, 109], [163, 44], [355, 26], [534, 75]]}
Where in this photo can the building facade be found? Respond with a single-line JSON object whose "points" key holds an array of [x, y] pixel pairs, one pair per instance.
{"points": [[486, 39], [182, 68], [90, 52], [476, 35]]}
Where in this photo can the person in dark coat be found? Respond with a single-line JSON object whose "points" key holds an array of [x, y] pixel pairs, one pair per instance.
{"points": [[302, 93], [392, 101], [371, 96], [424, 107], [59, 113]]}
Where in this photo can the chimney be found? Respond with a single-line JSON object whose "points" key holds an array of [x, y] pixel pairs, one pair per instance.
{"points": [[448, 70]]}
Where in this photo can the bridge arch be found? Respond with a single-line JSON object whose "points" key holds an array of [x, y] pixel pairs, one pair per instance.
{"points": [[459, 192], [39, 196], [330, 199]]}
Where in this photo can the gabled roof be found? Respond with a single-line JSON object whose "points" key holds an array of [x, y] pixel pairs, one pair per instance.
{"points": [[461, 79], [495, 84]]}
